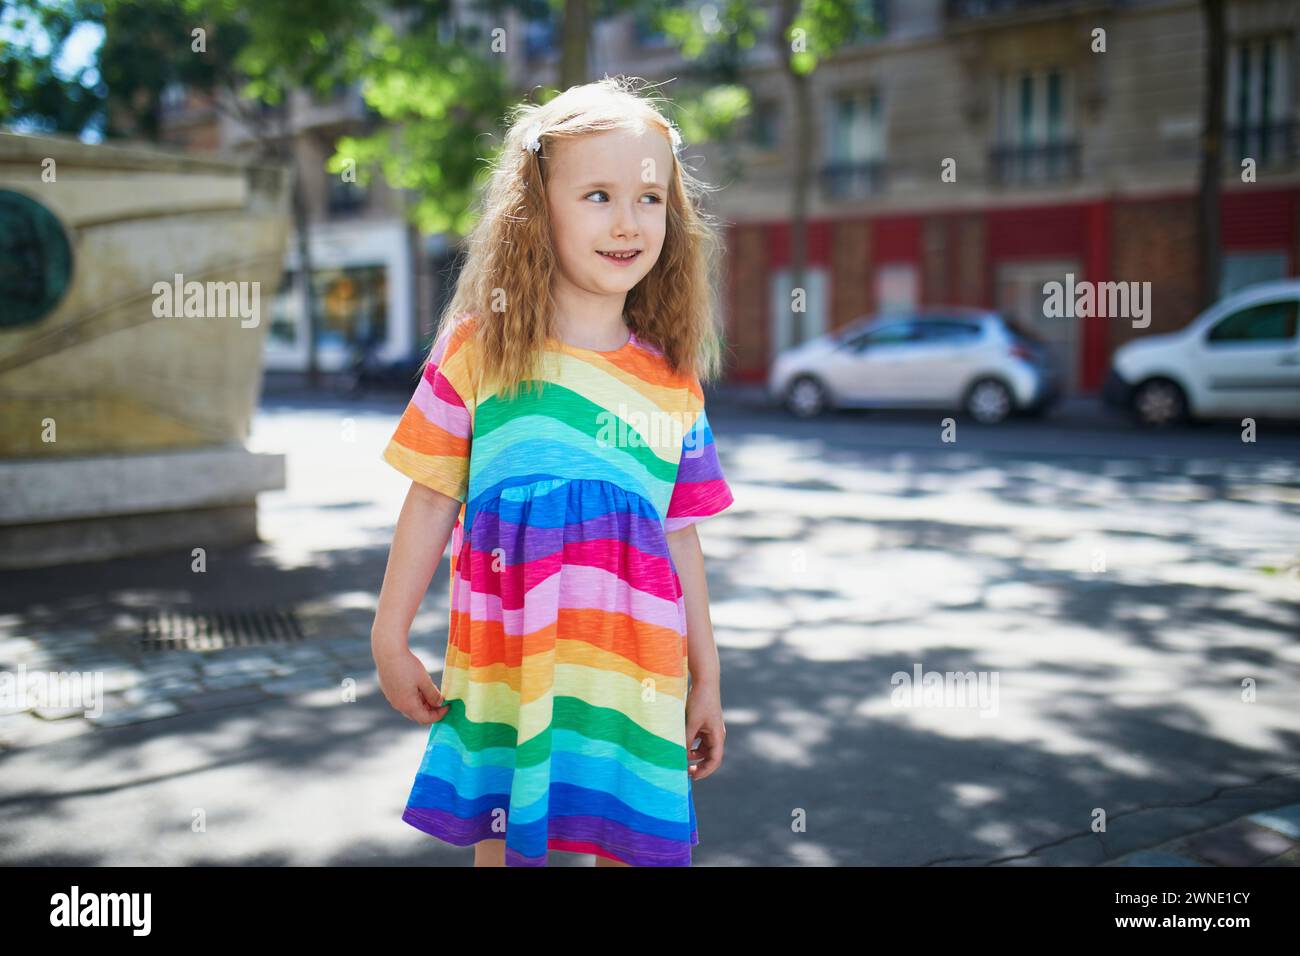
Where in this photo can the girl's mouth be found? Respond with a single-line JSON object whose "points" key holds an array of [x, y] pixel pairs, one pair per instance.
{"points": [[620, 260]]}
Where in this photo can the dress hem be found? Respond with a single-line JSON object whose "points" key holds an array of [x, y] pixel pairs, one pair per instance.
{"points": [[423, 821]]}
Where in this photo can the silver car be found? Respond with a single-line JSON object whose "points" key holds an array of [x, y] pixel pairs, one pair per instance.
{"points": [[975, 360], [1240, 357]]}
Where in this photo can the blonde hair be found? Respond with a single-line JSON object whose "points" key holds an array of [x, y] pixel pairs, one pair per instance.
{"points": [[510, 255]]}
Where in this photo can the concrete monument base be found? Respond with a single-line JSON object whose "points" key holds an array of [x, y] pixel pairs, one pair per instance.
{"points": [[64, 510]]}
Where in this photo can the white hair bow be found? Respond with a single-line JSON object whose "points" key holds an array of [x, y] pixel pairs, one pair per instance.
{"points": [[533, 137]]}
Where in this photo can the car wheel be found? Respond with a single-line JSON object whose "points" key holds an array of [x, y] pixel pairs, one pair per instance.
{"points": [[806, 397], [988, 401], [1159, 402]]}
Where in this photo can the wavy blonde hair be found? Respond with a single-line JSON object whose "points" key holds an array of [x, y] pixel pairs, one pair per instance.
{"points": [[510, 255]]}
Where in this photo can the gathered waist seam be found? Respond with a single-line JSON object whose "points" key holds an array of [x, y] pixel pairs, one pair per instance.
{"points": [[555, 482]]}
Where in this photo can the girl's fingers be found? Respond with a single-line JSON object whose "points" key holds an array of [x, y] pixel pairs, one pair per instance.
{"points": [[422, 711], [709, 754], [430, 690]]}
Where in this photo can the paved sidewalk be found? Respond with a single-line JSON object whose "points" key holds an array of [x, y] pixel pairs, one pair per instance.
{"points": [[143, 687], [119, 683], [860, 547], [1269, 838]]}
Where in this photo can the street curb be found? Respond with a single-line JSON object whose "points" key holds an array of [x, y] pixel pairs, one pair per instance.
{"points": [[1263, 838]]}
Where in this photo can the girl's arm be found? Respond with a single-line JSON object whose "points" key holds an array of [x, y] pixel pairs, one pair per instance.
{"points": [[702, 654], [704, 700], [421, 535]]}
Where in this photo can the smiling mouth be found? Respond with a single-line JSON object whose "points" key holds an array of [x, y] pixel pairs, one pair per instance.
{"points": [[620, 257]]}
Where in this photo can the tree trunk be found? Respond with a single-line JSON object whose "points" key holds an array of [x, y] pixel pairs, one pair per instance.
{"points": [[802, 95], [573, 54], [301, 225], [1207, 225]]}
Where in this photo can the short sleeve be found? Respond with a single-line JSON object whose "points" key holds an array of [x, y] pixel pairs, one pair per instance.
{"points": [[432, 441], [700, 490]]}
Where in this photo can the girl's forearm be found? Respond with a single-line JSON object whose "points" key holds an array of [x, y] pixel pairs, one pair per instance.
{"points": [[702, 652], [423, 527]]}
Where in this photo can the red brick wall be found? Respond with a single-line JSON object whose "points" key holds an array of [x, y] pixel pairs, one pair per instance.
{"points": [[1155, 241], [850, 252], [971, 288], [934, 261], [954, 260], [747, 333]]}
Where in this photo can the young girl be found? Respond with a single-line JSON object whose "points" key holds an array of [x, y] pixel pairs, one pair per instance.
{"points": [[558, 435]]}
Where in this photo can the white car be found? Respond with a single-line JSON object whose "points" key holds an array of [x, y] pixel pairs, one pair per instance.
{"points": [[974, 360], [1240, 357]]}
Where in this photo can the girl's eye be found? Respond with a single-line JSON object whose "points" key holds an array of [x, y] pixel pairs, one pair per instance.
{"points": [[601, 192]]}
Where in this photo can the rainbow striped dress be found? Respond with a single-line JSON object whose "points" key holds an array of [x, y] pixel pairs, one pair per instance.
{"points": [[566, 671]]}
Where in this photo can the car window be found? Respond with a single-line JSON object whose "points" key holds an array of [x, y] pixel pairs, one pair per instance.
{"points": [[1021, 328], [1268, 321], [948, 331], [892, 334]]}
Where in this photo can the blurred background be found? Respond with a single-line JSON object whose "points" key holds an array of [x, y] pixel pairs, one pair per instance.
{"points": [[228, 228]]}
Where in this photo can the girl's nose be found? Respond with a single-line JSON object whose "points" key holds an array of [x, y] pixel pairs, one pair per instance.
{"points": [[625, 224]]}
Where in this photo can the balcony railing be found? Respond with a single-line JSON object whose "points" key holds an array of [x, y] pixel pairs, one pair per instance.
{"points": [[1045, 163], [1269, 144], [974, 9], [345, 198], [851, 180]]}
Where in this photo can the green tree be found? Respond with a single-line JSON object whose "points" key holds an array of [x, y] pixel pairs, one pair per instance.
{"points": [[34, 93], [440, 87], [247, 55], [807, 33]]}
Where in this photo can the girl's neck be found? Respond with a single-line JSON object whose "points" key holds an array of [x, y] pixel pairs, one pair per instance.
{"points": [[600, 334]]}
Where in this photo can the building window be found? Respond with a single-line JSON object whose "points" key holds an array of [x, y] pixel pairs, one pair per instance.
{"points": [[870, 21], [856, 146], [764, 125], [344, 197], [1035, 128], [352, 305], [539, 30], [1258, 108], [286, 312]]}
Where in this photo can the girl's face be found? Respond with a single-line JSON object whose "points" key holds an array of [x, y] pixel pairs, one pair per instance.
{"points": [[608, 192]]}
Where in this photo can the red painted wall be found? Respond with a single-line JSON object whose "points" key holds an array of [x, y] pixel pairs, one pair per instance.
{"points": [[1264, 219]]}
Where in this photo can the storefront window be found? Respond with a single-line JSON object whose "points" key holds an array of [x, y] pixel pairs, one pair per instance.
{"points": [[285, 311], [352, 305]]}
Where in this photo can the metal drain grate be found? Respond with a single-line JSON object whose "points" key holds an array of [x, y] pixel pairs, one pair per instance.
{"points": [[198, 630]]}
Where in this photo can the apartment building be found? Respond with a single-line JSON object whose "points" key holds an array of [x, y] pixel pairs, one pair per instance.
{"points": [[1064, 159], [1069, 130]]}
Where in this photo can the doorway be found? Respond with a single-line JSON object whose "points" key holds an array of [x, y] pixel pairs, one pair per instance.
{"points": [[1020, 296]]}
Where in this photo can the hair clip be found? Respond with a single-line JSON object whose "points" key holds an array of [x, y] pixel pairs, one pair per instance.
{"points": [[533, 137]]}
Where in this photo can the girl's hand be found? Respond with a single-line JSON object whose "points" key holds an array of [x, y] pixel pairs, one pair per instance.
{"points": [[704, 720], [408, 686]]}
